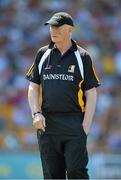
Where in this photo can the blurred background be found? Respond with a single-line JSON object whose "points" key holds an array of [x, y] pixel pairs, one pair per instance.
{"points": [[22, 33]]}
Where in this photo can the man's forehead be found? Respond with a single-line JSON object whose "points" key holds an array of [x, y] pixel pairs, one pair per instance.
{"points": [[62, 26], [59, 27]]}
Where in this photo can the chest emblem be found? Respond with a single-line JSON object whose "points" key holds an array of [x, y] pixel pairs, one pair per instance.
{"points": [[71, 68]]}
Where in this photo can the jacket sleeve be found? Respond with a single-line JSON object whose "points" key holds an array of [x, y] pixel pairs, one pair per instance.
{"points": [[90, 76], [33, 72]]}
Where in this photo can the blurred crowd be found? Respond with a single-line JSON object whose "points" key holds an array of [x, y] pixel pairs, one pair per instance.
{"points": [[22, 33]]}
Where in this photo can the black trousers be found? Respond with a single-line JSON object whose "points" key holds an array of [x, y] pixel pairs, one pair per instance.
{"points": [[63, 156]]}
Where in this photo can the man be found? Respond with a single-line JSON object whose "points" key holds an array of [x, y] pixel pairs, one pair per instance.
{"points": [[64, 78]]}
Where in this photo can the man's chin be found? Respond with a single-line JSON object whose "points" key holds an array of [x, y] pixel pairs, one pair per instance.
{"points": [[55, 40]]}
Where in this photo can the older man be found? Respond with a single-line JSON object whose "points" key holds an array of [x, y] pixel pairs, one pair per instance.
{"points": [[64, 77]]}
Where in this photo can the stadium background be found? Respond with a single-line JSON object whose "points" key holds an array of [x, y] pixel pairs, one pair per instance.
{"points": [[98, 29]]}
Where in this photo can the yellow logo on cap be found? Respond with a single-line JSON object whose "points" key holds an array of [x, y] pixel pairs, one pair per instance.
{"points": [[57, 17]]}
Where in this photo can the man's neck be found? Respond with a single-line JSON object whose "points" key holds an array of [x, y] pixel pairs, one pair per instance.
{"points": [[64, 46]]}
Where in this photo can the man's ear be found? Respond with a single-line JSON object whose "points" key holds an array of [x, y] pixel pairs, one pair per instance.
{"points": [[71, 29]]}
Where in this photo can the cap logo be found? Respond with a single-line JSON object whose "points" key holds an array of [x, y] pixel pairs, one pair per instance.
{"points": [[56, 17]]}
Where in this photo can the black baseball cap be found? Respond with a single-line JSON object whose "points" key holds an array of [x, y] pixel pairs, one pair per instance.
{"points": [[59, 19]]}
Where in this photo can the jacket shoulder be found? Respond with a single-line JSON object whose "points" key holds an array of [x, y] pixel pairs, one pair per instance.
{"points": [[82, 50], [43, 49]]}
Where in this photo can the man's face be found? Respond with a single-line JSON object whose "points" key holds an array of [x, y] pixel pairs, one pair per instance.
{"points": [[60, 34]]}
